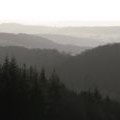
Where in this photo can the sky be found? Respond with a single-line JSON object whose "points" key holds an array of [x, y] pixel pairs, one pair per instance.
{"points": [[60, 12]]}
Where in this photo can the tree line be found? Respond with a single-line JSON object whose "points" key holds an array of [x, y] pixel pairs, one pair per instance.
{"points": [[26, 94]]}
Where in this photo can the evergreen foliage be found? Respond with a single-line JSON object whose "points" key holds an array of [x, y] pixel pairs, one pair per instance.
{"points": [[26, 94]]}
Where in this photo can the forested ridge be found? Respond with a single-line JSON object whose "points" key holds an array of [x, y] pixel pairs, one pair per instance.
{"points": [[26, 94], [98, 67]]}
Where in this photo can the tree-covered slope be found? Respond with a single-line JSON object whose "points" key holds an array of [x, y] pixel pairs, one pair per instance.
{"points": [[99, 67], [26, 94]]}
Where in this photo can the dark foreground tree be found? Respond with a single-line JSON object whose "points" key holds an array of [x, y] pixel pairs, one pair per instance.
{"points": [[26, 94]]}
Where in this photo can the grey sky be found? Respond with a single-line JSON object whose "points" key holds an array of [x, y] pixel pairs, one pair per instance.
{"points": [[59, 12]]}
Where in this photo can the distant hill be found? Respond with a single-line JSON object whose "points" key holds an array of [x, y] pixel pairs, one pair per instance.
{"points": [[91, 35], [78, 41], [28, 29], [34, 41]]}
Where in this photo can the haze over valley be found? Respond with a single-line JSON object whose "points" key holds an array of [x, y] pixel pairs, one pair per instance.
{"points": [[80, 36]]}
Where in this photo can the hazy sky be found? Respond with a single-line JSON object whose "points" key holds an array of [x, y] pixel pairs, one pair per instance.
{"points": [[57, 12]]}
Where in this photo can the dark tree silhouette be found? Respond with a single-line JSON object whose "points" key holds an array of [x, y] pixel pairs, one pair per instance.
{"points": [[26, 94]]}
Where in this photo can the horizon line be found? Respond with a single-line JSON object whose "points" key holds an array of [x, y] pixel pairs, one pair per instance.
{"points": [[67, 24]]}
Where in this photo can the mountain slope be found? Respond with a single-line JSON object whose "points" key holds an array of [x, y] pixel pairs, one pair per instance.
{"points": [[47, 58], [99, 67], [78, 41], [32, 41]]}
